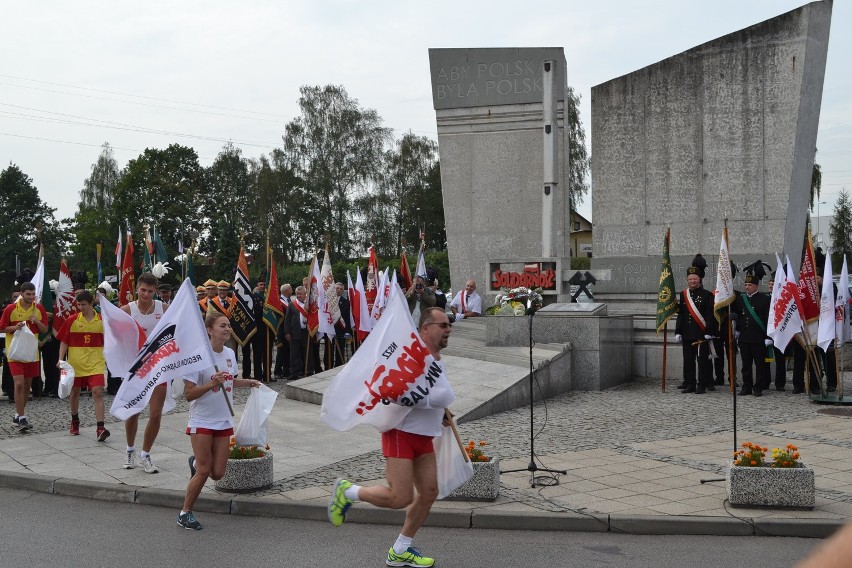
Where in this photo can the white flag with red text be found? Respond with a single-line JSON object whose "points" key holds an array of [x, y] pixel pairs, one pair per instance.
{"points": [[330, 306], [177, 346], [390, 374], [785, 321]]}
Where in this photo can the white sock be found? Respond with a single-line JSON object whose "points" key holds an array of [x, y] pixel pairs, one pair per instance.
{"points": [[402, 543], [131, 449], [351, 492], [183, 512], [143, 454]]}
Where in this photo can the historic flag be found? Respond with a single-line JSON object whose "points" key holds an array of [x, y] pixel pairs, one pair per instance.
{"points": [[390, 374], [148, 257], [809, 292], [66, 303], [315, 297], [827, 308], [330, 306], [273, 309], [404, 271], [784, 318], [127, 278], [666, 297], [844, 333], [365, 322], [243, 324], [724, 294], [118, 251], [421, 261], [177, 346], [371, 284]]}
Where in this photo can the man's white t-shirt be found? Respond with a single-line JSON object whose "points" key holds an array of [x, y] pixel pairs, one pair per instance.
{"points": [[426, 417], [210, 410]]}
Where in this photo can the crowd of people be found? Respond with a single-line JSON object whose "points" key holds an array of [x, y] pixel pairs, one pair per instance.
{"points": [[710, 350]]}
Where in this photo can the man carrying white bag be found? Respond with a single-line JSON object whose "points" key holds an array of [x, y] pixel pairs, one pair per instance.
{"points": [[396, 383]]}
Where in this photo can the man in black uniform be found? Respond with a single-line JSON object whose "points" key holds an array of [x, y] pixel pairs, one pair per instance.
{"points": [[695, 328], [752, 313]]}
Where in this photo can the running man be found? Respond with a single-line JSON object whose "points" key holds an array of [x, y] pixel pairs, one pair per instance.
{"points": [[410, 458], [24, 312], [82, 339], [147, 313]]}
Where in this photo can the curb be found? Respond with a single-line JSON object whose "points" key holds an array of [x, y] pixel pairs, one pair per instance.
{"points": [[249, 505]]}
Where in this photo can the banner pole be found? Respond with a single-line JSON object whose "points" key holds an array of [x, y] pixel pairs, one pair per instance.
{"points": [[665, 350], [449, 418]]}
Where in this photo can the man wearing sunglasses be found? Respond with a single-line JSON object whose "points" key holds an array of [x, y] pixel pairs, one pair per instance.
{"points": [[409, 455]]}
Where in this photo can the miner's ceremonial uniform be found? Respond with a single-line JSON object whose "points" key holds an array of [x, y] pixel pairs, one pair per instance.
{"points": [[752, 313], [695, 327]]}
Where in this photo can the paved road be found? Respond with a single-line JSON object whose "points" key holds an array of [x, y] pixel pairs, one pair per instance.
{"points": [[49, 531]]}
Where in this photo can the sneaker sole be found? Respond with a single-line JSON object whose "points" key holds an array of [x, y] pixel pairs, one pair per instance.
{"points": [[104, 435], [180, 524], [25, 428], [404, 563], [331, 504]]}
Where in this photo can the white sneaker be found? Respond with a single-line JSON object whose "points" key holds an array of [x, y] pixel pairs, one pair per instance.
{"points": [[130, 462], [148, 464]]}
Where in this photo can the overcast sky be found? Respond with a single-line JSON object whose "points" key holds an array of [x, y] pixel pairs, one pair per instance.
{"points": [[77, 74]]}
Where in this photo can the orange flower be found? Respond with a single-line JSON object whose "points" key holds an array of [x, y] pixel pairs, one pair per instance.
{"points": [[753, 462]]}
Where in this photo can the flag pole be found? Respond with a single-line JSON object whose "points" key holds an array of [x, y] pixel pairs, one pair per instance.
{"points": [[665, 351], [267, 353], [449, 418]]}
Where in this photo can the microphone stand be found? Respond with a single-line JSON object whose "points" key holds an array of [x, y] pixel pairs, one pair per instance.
{"points": [[532, 467]]}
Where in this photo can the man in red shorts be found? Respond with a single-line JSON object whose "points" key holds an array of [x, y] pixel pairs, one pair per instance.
{"points": [[82, 339], [410, 458], [25, 312]]}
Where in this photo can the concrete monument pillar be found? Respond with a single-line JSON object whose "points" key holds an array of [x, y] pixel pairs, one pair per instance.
{"points": [[725, 130], [502, 146]]}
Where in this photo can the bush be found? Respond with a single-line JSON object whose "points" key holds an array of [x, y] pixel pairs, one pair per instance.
{"points": [[581, 263]]}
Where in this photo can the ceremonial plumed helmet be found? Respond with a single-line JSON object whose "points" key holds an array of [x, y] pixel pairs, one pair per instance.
{"points": [[699, 265], [755, 272]]}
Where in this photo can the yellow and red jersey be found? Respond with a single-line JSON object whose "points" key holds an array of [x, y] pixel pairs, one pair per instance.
{"points": [[85, 341]]}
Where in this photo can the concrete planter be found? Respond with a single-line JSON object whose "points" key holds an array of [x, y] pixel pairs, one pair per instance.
{"points": [[771, 487], [483, 486], [244, 476]]}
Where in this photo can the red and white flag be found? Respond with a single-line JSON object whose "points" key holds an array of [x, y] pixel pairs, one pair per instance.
{"points": [[65, 303], [315, 297], [809, 292], [330, 306], [353, 300], [177, 346], [123, 337], [118, 251], [365, 322], [404, 271], [371, 285], [127, 278], [784, 319], [390, 374], [827, 326]]}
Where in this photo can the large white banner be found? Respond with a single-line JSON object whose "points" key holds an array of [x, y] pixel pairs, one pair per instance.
{"points": [[827, 327], [176, 347], [391, 373], [785, 320]]}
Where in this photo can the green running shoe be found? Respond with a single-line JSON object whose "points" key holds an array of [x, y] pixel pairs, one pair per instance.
{"points": [[410, 557], [339, 504]]}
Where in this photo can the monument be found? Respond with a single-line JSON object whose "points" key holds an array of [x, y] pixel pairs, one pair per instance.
{"points": [[724, 131], [503, 166]]}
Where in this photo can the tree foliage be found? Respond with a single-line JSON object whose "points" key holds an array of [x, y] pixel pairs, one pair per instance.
{"points": [[94, 223], [840, 230], [578, 170], [335, 147], [22, 213]]}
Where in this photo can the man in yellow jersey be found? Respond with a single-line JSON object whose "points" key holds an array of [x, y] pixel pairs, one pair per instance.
{"points": [[82, 339]]}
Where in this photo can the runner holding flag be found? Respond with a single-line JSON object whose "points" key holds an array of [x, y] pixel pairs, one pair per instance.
{"points": [[405, 399]]}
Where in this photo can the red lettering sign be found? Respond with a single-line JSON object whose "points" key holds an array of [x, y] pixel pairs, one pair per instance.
{"points": [[397, 381], [531, 277]]}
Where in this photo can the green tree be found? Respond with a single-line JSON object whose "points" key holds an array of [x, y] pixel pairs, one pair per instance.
{"points": [[227, 251], [816, 184], [285, 213], [22, 212], [94, 223], [229, 198], [394, 213], [578, 170], [840, 230], [335, 147], [162, 188]]}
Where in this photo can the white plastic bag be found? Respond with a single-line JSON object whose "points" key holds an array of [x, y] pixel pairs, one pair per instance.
{"points": [[453, 469], [24, 347], [66, 379], [252, 429]]}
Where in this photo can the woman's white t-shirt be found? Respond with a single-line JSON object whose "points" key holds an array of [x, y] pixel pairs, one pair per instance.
{"points": [[210, 410]]}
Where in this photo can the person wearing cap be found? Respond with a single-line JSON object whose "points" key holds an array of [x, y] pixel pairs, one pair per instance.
{"points": [[221, 301], [164, 291], [204, 303], [200, 293], [695, 328], [752, 312]]}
